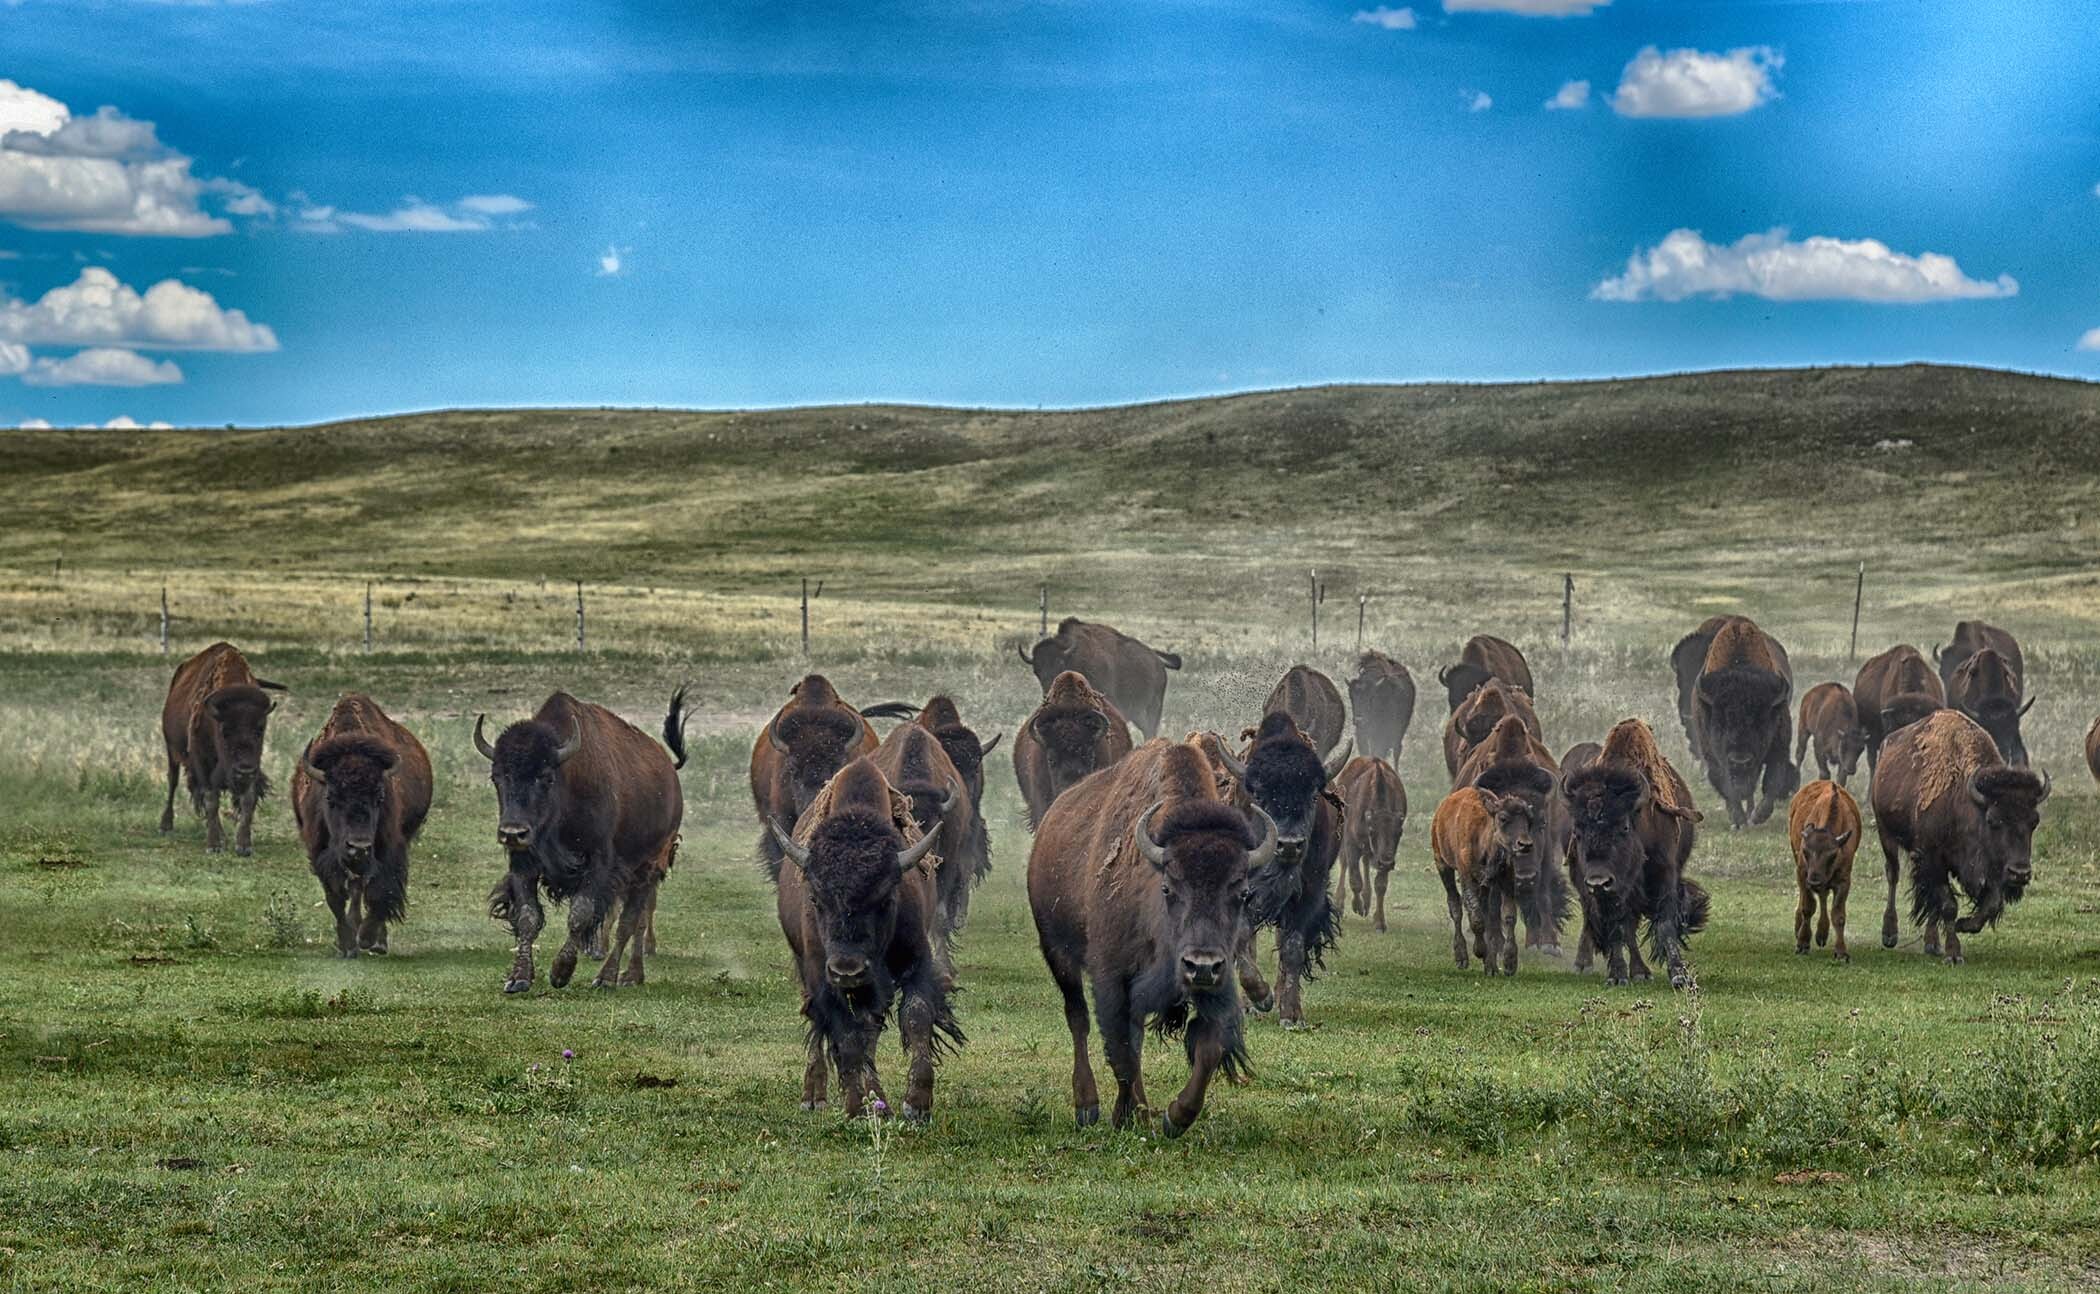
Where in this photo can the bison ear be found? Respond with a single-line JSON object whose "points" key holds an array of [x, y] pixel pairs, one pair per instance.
{"points": [[1840, 838]]}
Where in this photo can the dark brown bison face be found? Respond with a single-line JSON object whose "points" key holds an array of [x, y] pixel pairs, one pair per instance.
{"points": [[854, 863], [1070, 736], [1460, 680], [1820, 850], [1740, 711], [2010, 802], [1284, 777], [351, 772], [1852, 743], [1606, 804], [523, 765], [239, 716], [1906, 710], [813, 744], [1201, 853], [2000, 717], [1048, 660]]}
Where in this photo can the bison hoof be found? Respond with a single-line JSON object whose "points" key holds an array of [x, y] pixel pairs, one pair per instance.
{"points": [[1378, 927], [516, 985], [1262, 1005], [1295, 1025], [1615, 980], [1088, 1115], [1679, 982], [816, 1105], [1168, 1128], [243, 851], [1955, 959], [1643, 975], [607, 984], [1842, 955], [630, 980], [215, 849], [1549, 950], [913, 1114], [1800, 950], [1888, 939]]}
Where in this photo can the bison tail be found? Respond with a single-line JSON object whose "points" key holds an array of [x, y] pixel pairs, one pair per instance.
{"points": [[1171, 660], [1696, 904], [674, 727], [889, 710]]}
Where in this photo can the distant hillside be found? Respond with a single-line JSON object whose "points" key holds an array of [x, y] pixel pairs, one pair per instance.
{"points": [[1957, 487]]}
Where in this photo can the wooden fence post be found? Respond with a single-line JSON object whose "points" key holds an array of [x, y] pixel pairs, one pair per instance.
{"points": [[1567, 609], [1361, 599], [1859, 592], [368, 617], [1042, 603], [1313, 584], [805, 617], [579, 615], [163, 619]]}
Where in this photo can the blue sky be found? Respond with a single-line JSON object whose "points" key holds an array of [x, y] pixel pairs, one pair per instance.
{"points": [[418, 204]]}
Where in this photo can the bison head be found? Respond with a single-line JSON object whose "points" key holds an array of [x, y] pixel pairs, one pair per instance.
{"points": [[1606, 803], [1202, 852], [351, 772], [1516, 796], [1071, 738], [1283, 776], [1820, 850], [813, 743], [239, 715], [1050, 658], [1987, 690], [1852, 743], [1740, 710], [2009, 800], [854, 863], [1459, 681], [525, 764]]}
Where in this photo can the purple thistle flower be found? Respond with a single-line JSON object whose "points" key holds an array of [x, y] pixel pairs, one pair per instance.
{"points": [[881, 1106], [566, 1054]]}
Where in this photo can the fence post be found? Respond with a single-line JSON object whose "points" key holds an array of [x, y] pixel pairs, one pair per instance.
{"points": [[58, 568], [805, 617], [1042, 604], [579, 615], [163, 619], [1859, 591], [368, 617], [1361, 598], [1313, 584], [1567, 608]]}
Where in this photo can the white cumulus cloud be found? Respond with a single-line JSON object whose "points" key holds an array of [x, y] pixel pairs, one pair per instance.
{"points": [[125, 422], [2091, 340], [102, 173], [494, 204], [1693, 83], [1571, 96], [1776, 268], [611, 262], [34, 424], [102, 366], [14, 358], [1390, 19], [1529, 8], [98, 310]]}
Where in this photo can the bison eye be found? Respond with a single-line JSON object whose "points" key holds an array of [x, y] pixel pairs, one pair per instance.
{"points": [[1166, 891]]}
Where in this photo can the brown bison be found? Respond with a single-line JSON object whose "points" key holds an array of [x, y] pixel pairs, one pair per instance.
{"points": [[810, 738], [1476, 717], [1830, 717], [1374, 814], [359, 795], [1945, 796], [1126, 671], [1986, 687], [943, 719], [1513, 762], [915, 764], [1485, 657], [1382, 703], [1893, 689], [587, 808], [1687, 663], [213, 724], [1742, 714], [1580, 755], [1823, 826], [1075, 732], [1314, 704], [1479, 839], [2092, 749], [858, 906], [1970, 637], [1140, 883], [1633, 834], [1283, 776]]}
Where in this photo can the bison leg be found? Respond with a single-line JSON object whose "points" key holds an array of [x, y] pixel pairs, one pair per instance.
{"points": [[244, 824], [586, 913], [1206, 1046], [1086, 1101], [649, 927], [1637, 966], [1290, 977], [1457, 908], [1823, 919], [1385, 872], [1469, 894], [1505, 903], [1804, 908], [1613, 943], [214, 834], [167, 815], [1893, 862], [631, 909], [1837, 918], [816, 1075], [332, 888], [915, 1025], [1123, 1040], [355, 913], [645, 939], [1252, 985], [526, 920]]}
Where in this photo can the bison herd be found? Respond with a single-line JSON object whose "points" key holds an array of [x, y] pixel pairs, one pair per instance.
{"points": [[1157, 863]]}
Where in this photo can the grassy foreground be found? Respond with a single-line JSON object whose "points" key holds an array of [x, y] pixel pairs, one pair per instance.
{"points": [[195, 1094]]}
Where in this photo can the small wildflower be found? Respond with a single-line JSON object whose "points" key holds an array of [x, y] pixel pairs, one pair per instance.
{"points": [[566, 1054], [881, 1106], [535, 1067]]}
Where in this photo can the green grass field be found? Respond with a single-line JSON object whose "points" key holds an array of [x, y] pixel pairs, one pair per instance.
{"points": [[195, 1093]]}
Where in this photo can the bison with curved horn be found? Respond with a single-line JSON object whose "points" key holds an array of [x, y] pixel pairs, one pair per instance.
{"points": [[1314, 704], [213, 724], [1126, 671], [359, 796], [1987, 688], [1484, 657], [1074, 733], [807, 740], [1893, 690]]}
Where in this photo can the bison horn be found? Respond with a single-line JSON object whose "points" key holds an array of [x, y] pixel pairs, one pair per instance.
{"points": [[1232, 766], [1152, 851], [986, 749], [481, 743], [567, 750], [2046, 781], [2029, 704], [306, 766], [1022, 652], [773, 735], [794, 853], [911, 855], [1340, 759], [1266, 849], [1982, 800]]}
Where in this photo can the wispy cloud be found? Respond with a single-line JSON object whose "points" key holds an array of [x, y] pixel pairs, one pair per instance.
{"points": [[1390, 19], [476, 213], [1529, 8], [612, 262], [1571, 96]]}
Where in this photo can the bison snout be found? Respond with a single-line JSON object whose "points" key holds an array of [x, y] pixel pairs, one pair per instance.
{"points": [[358, 849], [1599, 882], [2019, 873], [1202, 970], [846, 972], [512, 836]]}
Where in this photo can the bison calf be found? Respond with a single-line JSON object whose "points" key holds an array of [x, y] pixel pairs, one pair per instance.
{"points": [[359, 795], [1830, 719], [1374, 814], [1481, 839], [1823, 826]]}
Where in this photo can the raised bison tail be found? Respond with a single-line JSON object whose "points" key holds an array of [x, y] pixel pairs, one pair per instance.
{"points": [[1171, 660], [889, 710], [674, 727], [1696, 904]]}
